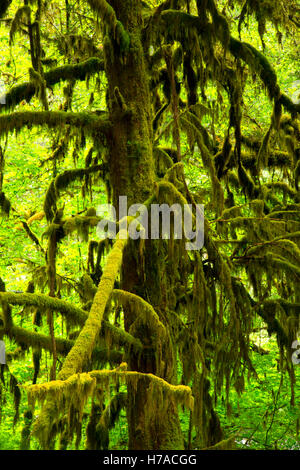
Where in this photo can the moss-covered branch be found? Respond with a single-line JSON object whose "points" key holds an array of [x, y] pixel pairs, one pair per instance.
{"points": [[32, 339], [85, 342], [28, 338], [75, 315], [288, 104], [258, 63], [177, 23], [62, 388], [61, 182], [92, 124], [267, 312], [75, 71], [122, 336], [26, 90], [181, 393], [142, 308], [108, 16]]}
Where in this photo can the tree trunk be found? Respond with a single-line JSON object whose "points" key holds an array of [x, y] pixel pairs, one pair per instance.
{"points": [[132, 174]]}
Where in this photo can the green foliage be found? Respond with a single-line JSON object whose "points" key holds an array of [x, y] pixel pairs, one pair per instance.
{"points": [[180, 102]]}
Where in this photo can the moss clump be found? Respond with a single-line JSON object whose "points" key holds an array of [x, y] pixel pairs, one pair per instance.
{"points": [[4, 7]]}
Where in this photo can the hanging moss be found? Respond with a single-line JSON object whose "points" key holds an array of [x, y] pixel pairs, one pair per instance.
{"points": [[101, 248], [143, 310], [191, 80], [72, 388], [60, 183], [93, 439], [75, 71], [36, 357], [98, 429], [68, 397], [247, 183], [258, 62], [74, 314], [263, 154], [120, 336], [179, 22], [80, 224], [226, 444], [76, 389], [23, 15], [284, 188], [276, 159], [84, 344], [15, 391], [297, 175], [87, 121], [107, 14], [180, 393], [222, 159], [217, 190], [268, 314], [26, 431]]}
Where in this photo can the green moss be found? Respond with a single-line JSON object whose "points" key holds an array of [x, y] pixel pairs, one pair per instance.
{"points": [[74, 314], [226, 444], [98, 434], [180, 393], [26, 431], [4, 204], [23, 15], [26, 90], [108, 15], [4, 7], [144, 311], [87, 121], [247, 183], [84, 344], [32, 339], [121, 337], [258, 63], [61, 182]]}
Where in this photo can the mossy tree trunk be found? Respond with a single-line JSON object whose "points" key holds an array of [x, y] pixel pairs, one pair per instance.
{"points": [[131, 165]]}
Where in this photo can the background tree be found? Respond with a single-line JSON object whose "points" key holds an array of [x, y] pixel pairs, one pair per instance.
{"points": [[153, 308]]}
